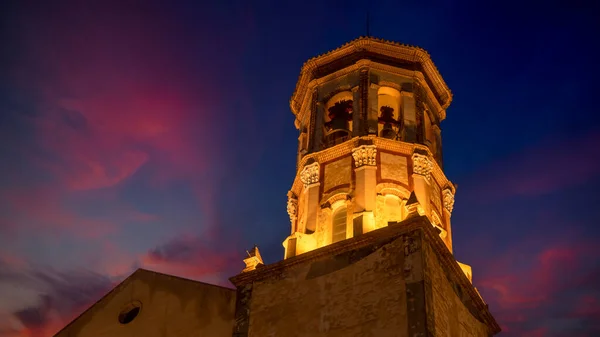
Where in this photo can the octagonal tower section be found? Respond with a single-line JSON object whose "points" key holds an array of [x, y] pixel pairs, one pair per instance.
{"points": [[369, 146]]}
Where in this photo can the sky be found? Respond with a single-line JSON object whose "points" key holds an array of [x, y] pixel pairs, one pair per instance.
{"points": [[158, 135]]}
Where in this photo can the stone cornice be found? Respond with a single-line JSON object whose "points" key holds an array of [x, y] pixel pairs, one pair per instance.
{"points": [[381, 144], [304, 104], [385, 48], [386, 234]]}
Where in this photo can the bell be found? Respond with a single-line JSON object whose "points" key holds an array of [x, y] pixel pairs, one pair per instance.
{"points": [[387, 131]]}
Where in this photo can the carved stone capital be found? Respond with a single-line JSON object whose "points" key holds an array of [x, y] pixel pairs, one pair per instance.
{"points": [[310, 174], [292, 208], [364, 155], [448, 200], [422, 165]]}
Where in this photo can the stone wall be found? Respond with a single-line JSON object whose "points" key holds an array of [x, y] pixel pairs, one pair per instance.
{"points": [[453, 313], [359, 293]]}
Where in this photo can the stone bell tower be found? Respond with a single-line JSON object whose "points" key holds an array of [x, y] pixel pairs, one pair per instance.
{"points": [[370, 146]]}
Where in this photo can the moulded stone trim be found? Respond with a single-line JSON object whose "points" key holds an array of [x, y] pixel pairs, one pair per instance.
{"points": [[388, 48]]}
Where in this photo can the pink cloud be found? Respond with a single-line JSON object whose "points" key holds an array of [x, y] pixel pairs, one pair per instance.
{"points": [[528, 293]]}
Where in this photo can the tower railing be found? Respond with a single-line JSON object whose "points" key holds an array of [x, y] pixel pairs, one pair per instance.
{"points": [[335, 137]]}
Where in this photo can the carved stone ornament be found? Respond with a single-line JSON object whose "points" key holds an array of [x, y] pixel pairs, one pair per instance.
{"points": [[448, 200], [364, 155], [310, 174], [422, 165], [292, 208]]}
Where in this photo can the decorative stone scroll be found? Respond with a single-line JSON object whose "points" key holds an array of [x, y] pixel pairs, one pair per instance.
{"points": [[448, 200], [310, 174], [364, 155], [292, 208], [422, 165]]}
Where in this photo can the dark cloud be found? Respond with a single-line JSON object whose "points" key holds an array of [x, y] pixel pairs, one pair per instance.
{"points": [[61, 295], [195, 256], [74, 119]]}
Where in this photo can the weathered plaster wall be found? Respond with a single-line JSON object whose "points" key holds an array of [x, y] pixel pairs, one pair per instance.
{"points": [[337, 173], [359, 293], [170, 307], [394, 167]]}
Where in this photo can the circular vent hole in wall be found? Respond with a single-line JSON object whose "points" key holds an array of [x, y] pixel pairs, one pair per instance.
{"points": [[130, 312]]}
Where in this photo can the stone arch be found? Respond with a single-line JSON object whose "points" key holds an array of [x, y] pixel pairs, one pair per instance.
{"points": [[337, 118], [392, 188], [335, 198], [390, 203], [394, 208], [389, 113], [339, 221]]}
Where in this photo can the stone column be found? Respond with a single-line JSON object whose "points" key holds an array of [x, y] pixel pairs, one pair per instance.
{"points": [[448, 207], [373, 112], [409, 114], [421, 176], [312, 123], [318, 127], [358, 124], [437, 150], [366, 179], [310, 179]]}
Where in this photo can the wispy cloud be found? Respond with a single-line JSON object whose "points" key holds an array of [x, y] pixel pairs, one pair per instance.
{"points": [[550, 166]]}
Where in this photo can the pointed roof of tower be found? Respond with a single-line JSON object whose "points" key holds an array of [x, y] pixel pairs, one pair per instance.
{"points": [[410, 57]]}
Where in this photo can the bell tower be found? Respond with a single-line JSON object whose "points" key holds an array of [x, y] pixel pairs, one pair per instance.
{"points": [[370, 145]]}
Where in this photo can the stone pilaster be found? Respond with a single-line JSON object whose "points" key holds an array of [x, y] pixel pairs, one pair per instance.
{"points": [[422, 167], [366, 180], [448, 200], [310, 178]]}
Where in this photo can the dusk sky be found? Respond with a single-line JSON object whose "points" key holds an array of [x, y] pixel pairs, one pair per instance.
{"points": [[159, 135]]}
